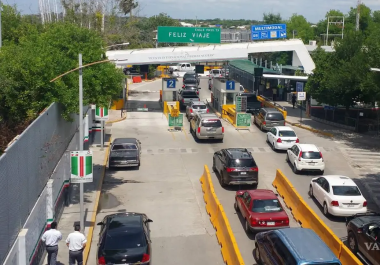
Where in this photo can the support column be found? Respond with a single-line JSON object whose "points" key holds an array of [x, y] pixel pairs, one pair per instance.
{"points": [[22, 259], [49, 202]]}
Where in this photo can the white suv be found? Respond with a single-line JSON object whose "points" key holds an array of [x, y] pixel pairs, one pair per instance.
{"points": [[305, 157]]}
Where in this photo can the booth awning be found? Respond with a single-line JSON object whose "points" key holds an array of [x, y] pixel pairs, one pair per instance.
{"points": [[290, 77]]}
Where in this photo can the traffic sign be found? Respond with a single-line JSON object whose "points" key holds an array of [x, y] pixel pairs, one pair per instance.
{"points": [[101, 113], [301, 96], [176, 121], [81, 166], [299, 87], [170, 83], [243, 119], [188, 35], [230, 85], [241, 104], [263, 32]]}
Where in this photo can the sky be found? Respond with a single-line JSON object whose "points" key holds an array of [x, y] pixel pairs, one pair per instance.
{"points": [[313, 10]]}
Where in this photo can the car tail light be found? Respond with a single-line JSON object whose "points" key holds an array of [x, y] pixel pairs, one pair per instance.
{"points": [[197, 92], [207, 111], [286, 221], [320, 153], [299, 158], [279, 140], [222, 129], [298, 140], [334, 203], [365, 204], [183, 86], [145, 258], [230, 169], [262, 104], [254, 222], [191, 110], [183, 100], [264, 122], [199, 129], [102, 261], [256, 169], [199, 99]]}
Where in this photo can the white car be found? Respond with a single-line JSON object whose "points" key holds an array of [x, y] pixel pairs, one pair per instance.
{"points": [[338, 195], [305, 157], [282, 138], [215, 73]]}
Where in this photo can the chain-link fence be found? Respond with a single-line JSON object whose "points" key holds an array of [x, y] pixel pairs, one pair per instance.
{"points": [[25, 168]]}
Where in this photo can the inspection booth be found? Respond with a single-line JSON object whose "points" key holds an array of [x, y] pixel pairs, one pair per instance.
{"points": [[169, 89], [224, 92]]}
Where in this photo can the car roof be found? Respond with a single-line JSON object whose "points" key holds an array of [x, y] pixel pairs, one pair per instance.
{"points": [[262, 194], [190, 73], [199, 103], [238, 153], [295, 239], [309, 147], [208, 115], [271, 110], [124, 141], [339, 180], [284, 128]]}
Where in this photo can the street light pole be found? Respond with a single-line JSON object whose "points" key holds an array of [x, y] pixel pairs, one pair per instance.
{"points": [[81, 188]]}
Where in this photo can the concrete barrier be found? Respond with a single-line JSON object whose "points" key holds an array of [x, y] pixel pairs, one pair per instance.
{"points": [[226, 239], [309, 219], [229, 113]]}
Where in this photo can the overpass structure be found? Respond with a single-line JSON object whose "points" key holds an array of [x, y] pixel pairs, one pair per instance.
{"points": [[212, 53]]}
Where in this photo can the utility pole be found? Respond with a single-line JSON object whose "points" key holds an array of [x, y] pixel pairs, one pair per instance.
{"points": [[358, 15], [81, 136]]}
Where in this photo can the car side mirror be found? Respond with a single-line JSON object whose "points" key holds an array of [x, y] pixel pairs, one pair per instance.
{"points": [[314, 180], [149, 221], [199, 88], [100, 223]]}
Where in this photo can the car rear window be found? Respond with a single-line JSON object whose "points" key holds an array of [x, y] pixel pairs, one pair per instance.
{"points": [[287, 134], [346, 190], [125, 240], [266, 206], [311, 155], [242, 163], [275, 117], [190, 80], [216, 123], [215, 71], [124, 147], [199, 107], [189, 94]]}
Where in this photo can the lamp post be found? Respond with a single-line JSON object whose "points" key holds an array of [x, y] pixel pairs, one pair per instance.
{"points": [[81, 131], [156, 38]]}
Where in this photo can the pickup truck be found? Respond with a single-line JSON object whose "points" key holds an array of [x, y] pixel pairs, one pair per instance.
{"points": [[185, 97], [253, 105], [181, 67]]}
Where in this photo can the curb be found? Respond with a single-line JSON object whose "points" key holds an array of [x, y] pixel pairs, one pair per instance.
{"points": [[95, 210], [311, 129]]}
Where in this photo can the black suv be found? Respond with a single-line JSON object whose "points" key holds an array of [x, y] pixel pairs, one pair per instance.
{"points": [[124, 238], [235, 166], [364, 236]]}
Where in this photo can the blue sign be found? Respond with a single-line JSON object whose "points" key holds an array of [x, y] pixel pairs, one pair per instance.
{"points": [[299, 87], [170, 83], [230, 85], [265, 32]]}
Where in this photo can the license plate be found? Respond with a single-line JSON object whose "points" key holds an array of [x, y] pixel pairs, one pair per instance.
{"points": [[350, 205], [243, 173], [270, 223]]}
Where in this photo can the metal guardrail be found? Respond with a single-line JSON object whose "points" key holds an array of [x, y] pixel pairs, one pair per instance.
{"points": [[274, 103]]}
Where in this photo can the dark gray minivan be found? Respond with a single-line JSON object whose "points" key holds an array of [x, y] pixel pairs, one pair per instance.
{"points": [[268, 118]]}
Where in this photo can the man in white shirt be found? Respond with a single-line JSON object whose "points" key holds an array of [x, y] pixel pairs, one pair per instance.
{"points": [[51, 238], [76, 242]]}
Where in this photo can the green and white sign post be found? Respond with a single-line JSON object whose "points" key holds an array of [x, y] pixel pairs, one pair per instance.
{"points": [[188, 35], [101, 114], [81, 166], [243, 119]]}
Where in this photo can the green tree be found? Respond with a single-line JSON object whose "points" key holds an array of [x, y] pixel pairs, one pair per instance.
{"points": [[365, 19], [302, 29], [271, 18]]}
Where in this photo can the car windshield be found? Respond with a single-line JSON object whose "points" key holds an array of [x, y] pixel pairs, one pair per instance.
{"points": [[311, 155], [199, 107], [346, 191], [216, 123], [243, 163], [287, 134], [275, 117], [125, 240], [124, 147], [266, 206]]}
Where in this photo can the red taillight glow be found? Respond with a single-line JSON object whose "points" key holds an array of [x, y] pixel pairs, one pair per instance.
{"points": [[207, 111], [279, 140], [320, 153], [256, 169], [199, 129], [264, 122], [197, 92], [102, 261], [183, 86], [298, 140], [145, 258], [191, 110], [183, 101], [230, 169], [365, 204], [334, 203], [262, 104], [222, 129], [299, 159], [286, 222]]}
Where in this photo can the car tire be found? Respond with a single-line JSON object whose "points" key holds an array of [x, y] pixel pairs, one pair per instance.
{"points": [[352, 243], [221, 140], [221, 181], [236, 207], [295, 170], [213, 165], [246, 227], [261, 127], [274, 147], [325, 210], [322, 172], [287, 158], [267, 139], [257, 256], [311, 194]]}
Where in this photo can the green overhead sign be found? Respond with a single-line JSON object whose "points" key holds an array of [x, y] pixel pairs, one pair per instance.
{"points": [[188, 35]]}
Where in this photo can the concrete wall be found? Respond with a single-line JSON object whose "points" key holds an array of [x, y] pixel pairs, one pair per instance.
{"points": [[295, 60]]}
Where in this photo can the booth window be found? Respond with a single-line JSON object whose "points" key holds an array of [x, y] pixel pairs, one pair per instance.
{"points": [[230, 98]]}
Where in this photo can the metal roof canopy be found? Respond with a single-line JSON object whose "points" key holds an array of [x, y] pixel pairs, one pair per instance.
{"points": [[249, 67], [211, 53], [290, 77]]}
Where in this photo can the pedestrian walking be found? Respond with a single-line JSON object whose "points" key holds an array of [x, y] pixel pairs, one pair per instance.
{"points": [[76, 243], [51, 238], [274, 91], [294, 98]]}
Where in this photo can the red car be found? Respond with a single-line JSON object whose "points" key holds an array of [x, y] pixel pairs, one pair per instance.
{"points": [[261, 210]]}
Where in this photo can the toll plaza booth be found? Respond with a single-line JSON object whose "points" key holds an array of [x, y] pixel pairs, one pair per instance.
{"points": [[224, 92], [169, 89]]}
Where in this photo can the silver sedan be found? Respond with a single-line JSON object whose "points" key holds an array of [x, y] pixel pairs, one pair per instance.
{"points": [[195, 107]]}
